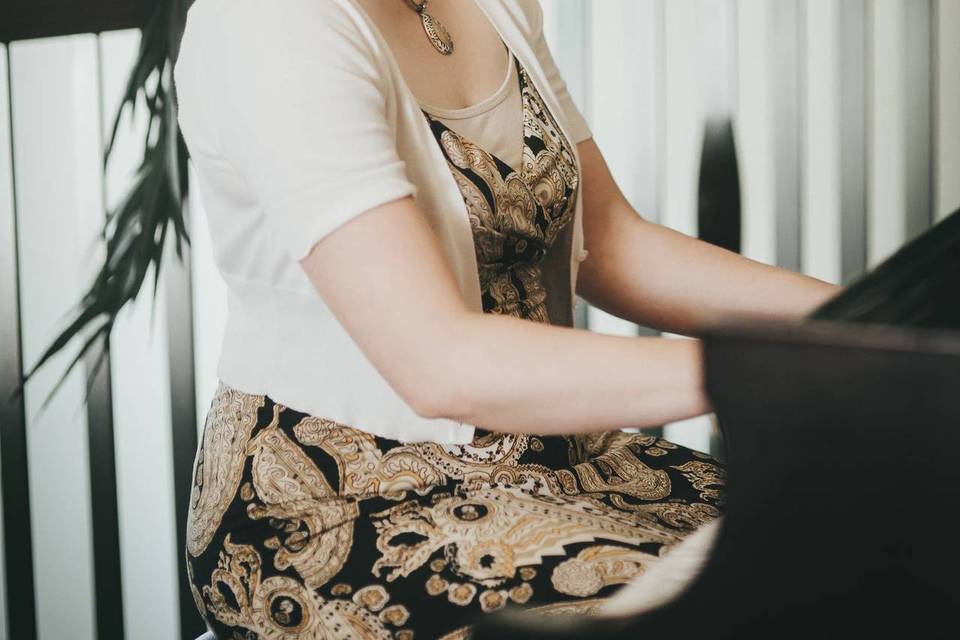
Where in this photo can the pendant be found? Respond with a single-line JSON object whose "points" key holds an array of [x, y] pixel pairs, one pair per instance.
{"points": [[438, 34]]}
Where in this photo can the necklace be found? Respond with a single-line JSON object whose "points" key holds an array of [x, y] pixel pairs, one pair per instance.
{"points": [[436, 32]]}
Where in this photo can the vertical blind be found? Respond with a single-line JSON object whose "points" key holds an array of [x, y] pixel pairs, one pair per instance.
{"points": [[847, 124]]}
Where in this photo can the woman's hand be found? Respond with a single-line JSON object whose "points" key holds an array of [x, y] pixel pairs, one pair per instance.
{"points": [[384, 276], [657, 277]]}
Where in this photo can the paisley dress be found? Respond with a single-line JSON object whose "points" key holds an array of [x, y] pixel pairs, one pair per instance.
{"points": [[300, 526]]}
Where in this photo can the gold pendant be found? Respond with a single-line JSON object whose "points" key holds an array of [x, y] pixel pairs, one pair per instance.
{"points": [[438, 34]]}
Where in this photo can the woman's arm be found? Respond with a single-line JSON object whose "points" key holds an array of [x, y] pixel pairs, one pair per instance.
{"points": [[660, 278], [386, 279]]}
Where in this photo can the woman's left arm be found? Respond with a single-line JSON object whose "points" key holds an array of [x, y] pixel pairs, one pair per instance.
{"points": [[660, 278]]}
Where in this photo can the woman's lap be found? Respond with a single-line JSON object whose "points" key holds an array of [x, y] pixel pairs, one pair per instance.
{"points": [[302, 526]]}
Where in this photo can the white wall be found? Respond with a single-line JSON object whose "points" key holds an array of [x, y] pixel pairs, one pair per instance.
{"points": [[822, 139], [58, 186], [947, 108], [8, 231], [141, 396]]}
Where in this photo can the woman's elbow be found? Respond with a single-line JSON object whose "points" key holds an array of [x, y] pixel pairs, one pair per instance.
{"points": [[435, 384], [437, 396], [428, 405]]}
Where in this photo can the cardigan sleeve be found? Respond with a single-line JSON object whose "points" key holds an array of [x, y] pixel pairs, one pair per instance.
{"points": [[576, 123], [301, 106]]}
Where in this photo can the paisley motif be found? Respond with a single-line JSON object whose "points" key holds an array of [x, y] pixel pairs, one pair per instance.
{"points": [[597, 567], [619, 470], [281, 607], [317, 527], [490, 533], [577, 608], [707, 477], [517, 214], [363, 468], [683, 517], [474, 461], [219, 463]]}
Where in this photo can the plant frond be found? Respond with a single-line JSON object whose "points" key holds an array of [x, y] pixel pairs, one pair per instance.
{"points": [[135, 230]]}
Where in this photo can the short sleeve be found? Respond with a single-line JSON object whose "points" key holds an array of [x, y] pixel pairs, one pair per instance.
{"points": [[302, 113], [576, 123]]}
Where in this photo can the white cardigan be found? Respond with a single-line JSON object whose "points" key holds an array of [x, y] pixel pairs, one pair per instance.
{"points": [[297, 119]]}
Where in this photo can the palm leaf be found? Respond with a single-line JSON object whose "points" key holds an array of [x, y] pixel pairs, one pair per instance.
{"points": [[134, 232]]}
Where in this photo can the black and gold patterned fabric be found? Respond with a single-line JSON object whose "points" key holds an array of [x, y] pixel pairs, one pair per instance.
{"points": [[300, 526], [520, 216]]}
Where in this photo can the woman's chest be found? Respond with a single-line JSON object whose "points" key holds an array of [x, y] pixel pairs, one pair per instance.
{"points": [[520, 211], [470, 72], [445, 196]]}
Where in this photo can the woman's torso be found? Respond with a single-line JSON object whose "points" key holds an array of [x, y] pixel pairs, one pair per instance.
{"points": [[280, 338], [513, 166]]}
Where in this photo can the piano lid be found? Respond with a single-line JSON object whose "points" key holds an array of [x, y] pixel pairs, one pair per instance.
{"points": [[919, 285]]}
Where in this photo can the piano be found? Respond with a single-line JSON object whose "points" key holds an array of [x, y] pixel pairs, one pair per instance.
{"points": [[842, 447]]}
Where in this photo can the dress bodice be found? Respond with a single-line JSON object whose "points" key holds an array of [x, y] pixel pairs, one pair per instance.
{"points": [[520, 216]]}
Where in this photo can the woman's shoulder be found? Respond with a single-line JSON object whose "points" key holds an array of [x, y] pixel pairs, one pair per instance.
{"points": [[264, 10], [328, 25], [228, 46]]}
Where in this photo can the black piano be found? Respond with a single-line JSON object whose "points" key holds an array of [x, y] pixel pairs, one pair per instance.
{"points": [[842, 445]]}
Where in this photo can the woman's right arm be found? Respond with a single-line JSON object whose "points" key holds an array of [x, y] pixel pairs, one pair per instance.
{"points": [[384, 276], [292, 97]]}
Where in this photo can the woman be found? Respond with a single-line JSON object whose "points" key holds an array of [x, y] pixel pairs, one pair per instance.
{"points": [[409, 431]]}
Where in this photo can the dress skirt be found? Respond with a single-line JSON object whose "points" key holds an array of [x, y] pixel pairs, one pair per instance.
{"points": [[300, 527]]}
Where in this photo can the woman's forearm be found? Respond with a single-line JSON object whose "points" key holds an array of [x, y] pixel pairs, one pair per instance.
{"points": [[400, 302], [661, 278], [512, 375]]}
